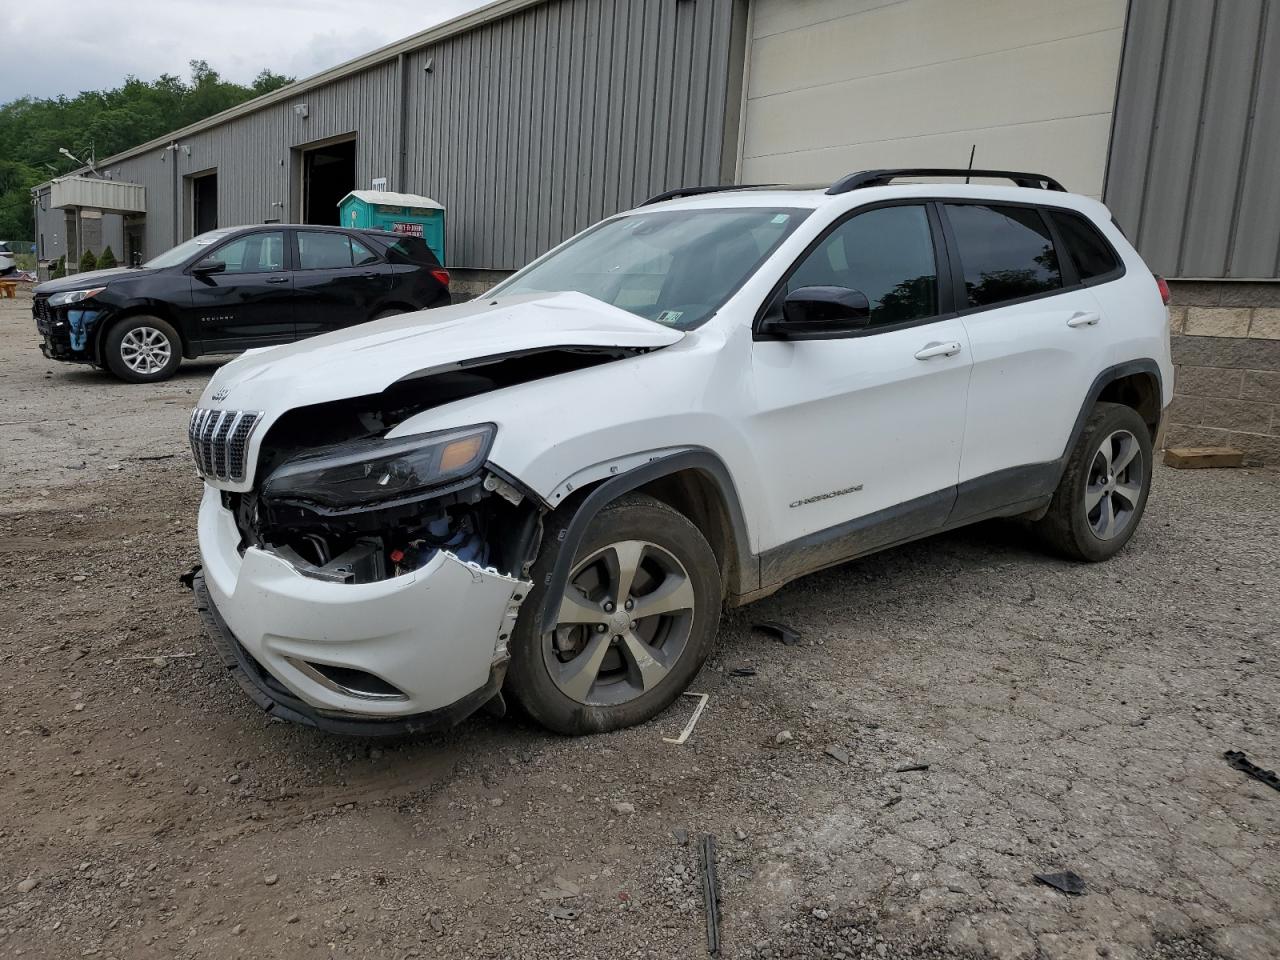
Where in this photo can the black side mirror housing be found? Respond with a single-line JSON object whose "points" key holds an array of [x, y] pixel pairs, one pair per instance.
{"points": [[813, 313], [208, 266]]}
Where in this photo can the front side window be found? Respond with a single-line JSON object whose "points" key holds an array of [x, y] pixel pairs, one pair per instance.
{"points": [[887, 254], [1007, 252], [675, 267], [323, 251], [1092, 254], [254, 253]]}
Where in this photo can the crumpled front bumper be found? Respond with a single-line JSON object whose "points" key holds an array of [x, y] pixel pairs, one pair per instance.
{"points": [[437, 635]]}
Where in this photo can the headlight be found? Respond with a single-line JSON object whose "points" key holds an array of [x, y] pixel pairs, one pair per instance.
{"points": [[374, 470], [73, 296]]}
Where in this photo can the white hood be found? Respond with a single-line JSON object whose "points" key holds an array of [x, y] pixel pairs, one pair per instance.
{"points": [[368, 358]]}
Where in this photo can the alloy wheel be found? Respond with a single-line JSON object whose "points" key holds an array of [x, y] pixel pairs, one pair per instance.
{"points": [[145, 350], [625, 619], [1114, 486]]}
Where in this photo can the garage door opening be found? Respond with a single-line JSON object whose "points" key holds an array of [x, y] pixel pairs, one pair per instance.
{"points": [[328, 175], [204, 203]]}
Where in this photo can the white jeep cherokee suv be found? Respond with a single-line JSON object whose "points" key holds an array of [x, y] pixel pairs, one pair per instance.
{"points": [[552, 491]]}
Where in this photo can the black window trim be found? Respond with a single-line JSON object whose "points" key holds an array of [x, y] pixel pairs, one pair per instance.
{"points": [[942, 264], [1066, 261], [241, 235]]}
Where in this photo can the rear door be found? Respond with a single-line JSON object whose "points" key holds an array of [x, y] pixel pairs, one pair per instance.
{"points": [[250, 302], [340, 281], [1038, 338]]}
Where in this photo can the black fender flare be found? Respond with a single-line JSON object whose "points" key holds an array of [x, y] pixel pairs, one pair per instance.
{"points": [[1100, 383], [697, 459]]}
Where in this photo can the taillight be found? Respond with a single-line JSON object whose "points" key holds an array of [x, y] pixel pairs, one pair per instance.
{"points": [[1165, 293], [442, 276]]}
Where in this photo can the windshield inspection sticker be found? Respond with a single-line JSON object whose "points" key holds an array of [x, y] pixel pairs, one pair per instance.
{"points": [[669, 316], [781, 218]]}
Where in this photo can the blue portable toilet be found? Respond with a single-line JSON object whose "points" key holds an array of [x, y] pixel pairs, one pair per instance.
{"points": [[405, 213]]}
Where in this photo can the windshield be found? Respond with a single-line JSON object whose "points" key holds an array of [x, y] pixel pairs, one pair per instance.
{"points": [[675, 267], [185, 251]]}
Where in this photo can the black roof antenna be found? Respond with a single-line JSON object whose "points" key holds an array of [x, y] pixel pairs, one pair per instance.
{"points": [[972, 151]]}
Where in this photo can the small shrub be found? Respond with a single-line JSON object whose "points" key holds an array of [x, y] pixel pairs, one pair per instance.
{"points": [[59, 268], [88, 261], [108, 259]]}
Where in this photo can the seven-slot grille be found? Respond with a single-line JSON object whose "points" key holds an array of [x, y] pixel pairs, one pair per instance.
{"points": [[220, 440]]}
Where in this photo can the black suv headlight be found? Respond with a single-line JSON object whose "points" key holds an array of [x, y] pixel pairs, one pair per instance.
{"points": [[370, 471], [73, 296]]}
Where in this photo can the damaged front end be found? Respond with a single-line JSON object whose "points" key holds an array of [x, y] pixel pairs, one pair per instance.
{"points": [[66, 325]]}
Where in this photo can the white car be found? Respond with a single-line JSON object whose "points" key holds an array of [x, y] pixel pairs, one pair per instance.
{"points": [[8, 263], [553, 490]]}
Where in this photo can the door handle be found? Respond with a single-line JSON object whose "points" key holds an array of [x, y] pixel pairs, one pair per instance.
{"points": [[936, 349], [277, 279], [1083, 319]]}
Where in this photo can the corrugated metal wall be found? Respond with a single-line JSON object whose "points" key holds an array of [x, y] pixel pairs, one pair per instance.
{"points": [[532, 128], [527, 129], [1193, 174]]}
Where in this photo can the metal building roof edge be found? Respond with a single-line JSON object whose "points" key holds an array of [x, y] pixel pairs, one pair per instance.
{"points": [[496, 10]]}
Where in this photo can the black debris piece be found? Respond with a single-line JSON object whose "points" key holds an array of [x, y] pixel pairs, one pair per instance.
{"points": [[780, 630], [188, 579], [742, 672], [912, 768], [711, 893], [1238, 760], [893, 801], [1067, 881]]}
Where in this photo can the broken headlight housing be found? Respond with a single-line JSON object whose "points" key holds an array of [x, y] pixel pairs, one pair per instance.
{"points": [[377, 470]]}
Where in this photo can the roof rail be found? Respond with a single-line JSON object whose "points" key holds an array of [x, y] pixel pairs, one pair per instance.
{"points": [[695, 191], [880, 178]]}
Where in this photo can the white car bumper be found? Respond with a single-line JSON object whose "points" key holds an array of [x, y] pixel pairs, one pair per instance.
{"points": [[434, 639]]}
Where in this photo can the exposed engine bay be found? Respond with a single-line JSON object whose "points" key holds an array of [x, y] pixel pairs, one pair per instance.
{"points": [[481, 517]]}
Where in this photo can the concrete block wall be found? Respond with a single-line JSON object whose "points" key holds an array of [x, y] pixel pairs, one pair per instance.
{"points": [[1226, 347]]}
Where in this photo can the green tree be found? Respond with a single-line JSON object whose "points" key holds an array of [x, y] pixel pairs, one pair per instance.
{"points": [[107, 259], [88, 261], [103, 123], [59, 268]]}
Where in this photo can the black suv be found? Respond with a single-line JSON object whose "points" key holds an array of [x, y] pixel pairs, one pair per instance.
{"points": [[229, 290]]}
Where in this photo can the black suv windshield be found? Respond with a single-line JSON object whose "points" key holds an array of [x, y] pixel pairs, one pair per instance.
{"points": [[186, 250], [675, 267]]}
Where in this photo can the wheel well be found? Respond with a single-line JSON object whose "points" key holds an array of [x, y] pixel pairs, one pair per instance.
{"points": [[698, 497], [100, 334], [1141, 391]]}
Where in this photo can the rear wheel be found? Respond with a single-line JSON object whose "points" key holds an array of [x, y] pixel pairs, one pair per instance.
{"points": [[1103, 491], [142, 350], [635, 623]]}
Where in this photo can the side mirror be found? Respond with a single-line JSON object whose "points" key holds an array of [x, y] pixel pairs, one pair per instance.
{"points": [[209, 265], [812, 313]]}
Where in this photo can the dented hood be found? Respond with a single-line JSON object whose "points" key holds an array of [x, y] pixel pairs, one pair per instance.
{"points": [[368, 358]]}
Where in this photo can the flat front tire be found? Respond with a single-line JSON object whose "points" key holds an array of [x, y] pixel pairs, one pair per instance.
{"points": [[636, 621], [1103, 491], [142, 350]]}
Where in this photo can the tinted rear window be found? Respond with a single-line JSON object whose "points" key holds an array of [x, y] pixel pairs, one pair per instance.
{"points": [[1007, 252], [410, 250], [1093, 256]]}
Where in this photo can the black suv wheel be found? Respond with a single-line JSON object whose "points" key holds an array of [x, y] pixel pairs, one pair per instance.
{"points": [[142, 350]]}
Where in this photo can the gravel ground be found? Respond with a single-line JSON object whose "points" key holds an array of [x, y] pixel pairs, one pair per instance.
{"points": [[1072, 717]]}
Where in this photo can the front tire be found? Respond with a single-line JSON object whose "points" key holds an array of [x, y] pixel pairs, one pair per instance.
{"points": [[637, 620], [1103, 491], [142, 350]]}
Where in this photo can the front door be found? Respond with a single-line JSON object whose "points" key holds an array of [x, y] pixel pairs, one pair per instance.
{"points": [[859, 438], [249, 302], [339, 281]]}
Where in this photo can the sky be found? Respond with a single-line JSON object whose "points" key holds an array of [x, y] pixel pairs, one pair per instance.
{"points": [[65, 46]]}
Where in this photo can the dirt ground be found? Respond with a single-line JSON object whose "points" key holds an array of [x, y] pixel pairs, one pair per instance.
{"points": [[1072, 717]]}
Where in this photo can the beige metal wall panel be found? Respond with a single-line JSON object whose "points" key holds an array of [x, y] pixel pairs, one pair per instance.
{"points": [[834, 87], [1194, 169]]}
